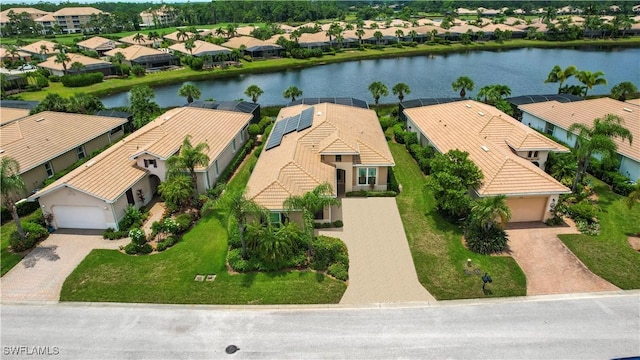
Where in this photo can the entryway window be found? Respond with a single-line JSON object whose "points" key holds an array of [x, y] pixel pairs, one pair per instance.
{"points": [[150, 162], [234, 145], [338, 158], [367, 176], [48, 167], [80, 152]]}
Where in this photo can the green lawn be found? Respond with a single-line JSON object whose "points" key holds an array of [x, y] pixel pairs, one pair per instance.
{"points": [[9, 259], [609, 255], [168, 277], [438, 253]]}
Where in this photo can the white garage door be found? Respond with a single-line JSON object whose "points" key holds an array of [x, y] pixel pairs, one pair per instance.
{"points": [[79, 217], [527, 209]]}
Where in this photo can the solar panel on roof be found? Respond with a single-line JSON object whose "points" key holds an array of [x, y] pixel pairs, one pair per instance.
{"points": [[292, 124], [306, 119], [276, 135]]}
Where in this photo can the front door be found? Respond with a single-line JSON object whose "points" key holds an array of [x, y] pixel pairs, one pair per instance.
{"points": [[340, 177], [130, 198]]}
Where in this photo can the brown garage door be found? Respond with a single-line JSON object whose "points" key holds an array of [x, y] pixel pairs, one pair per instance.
{"points": [[527, 208]]}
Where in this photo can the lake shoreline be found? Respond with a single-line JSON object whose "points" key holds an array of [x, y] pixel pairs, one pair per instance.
{"points": [[115, 86]]}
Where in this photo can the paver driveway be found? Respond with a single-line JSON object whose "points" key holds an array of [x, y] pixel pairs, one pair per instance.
{"points": [[40, 275], [550, 267], [381, 268]]}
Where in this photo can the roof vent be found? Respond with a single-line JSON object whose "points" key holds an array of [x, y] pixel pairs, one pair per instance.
{"points": [[319, 113], [467, 105], [486, 149], [90, 163], [167, 117], [1, 151], [627, 109], [480, 113], [39, 119]]}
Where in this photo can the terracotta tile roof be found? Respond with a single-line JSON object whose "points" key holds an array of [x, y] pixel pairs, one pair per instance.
{"points": [[5, 53], [483, 132], [10, 114], [174, 36], [295, 167], [502, 27], [79, 11], [129, 40], [38, 138], [34, 13], [51, 63], [201, 48], [34, 48], [111, 173], [248, 41], [98, 43], [134, 52], [634, 102], [584, 112]]}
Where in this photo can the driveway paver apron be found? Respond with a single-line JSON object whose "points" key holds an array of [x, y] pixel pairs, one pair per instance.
{"points": [[381, 268]]}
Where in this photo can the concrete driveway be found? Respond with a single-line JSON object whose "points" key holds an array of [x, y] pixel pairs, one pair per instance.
{"points": [[381, 268], [40, 275], [550, 267]]}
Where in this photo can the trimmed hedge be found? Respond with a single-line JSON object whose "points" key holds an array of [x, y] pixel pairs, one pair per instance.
{"points": [[24, 208], [82, 79], [33, 234], [235, 163], [330, 253], [374, 193]]}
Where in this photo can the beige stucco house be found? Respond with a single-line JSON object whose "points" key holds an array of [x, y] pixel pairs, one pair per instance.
{"points": [[48, 142], [510, 155], [310, 145], [96, 195]]}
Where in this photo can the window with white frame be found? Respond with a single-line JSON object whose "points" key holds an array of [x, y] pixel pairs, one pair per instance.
{"points": [[150, 162], [48, 167], [233, 145], [80, 152], [217, 169], [367, 176], [244, 129]]}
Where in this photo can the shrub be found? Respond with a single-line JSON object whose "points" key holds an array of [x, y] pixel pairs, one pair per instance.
{"points": [[132, 218], [398, 133], [131, 249], [196, 64], [327, 250], [237, 160], [137, 236], [583, 210], [338, 224], [138, 70], [82, 79], [33, 234], [113, 234], [387, 122], [145, 249], [26, 207], [237, 263], [485, 241], [393, 184], [254, 130], [410, 138], [338, 271], [183, 222], [54, 78]]}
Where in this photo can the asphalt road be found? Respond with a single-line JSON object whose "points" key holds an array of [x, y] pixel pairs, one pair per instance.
{"points": [[594, 326]]}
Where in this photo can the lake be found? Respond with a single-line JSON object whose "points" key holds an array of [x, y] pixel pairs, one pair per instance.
{"points": [[523, 70]]}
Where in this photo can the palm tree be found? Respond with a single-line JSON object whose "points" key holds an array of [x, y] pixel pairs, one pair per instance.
{"points": [[239, 208], [378, 35], [634, 196], [623, 89], [139, 38], [310, 203], [62, 58], [558, 75], [463, 83], [400, 89], [189, 158], [77, 66], [231, 30], [118, 58], [590, 79], [399, 34], [44, 49], [59, 47], [485, 211], [413, 34], [564, 168], [182, 34], [254, 92], [377, 90], [489, 94], [275, 244], [360, 34], [189, 91], [11, 185], [292, 92], [597, 140], [189, 45], [176, 190]]}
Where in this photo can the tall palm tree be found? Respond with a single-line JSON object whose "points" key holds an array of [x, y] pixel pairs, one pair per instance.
{"points": [[310, 203], [189, 45], [254, 92], [139, 38], [399, 34], [186, 162], [239, 208], [77, 66], [378, 35], [43, 49], [634, 196], [485, 211], [231, 30], [360, 34], [292, 92], [463, 83], [59, 47], [62, 58], [400, 89], [558, 75], [189, 91], [11, 185], [182, 34], [623, 89], [597, 139], [377, 90], [590, 79], [118, 58], [413, 34]]}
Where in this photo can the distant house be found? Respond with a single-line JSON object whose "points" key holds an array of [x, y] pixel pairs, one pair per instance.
{"points": [[555, 118], [510, 155], [40, 49], [145, 56], [255, 48], [201, 48], [48, 142], [33, 13], [96, 195], [133, 40], [90, 65], [98, 44], [5, 55], [324, 143], [75, 19], [162, 16]]}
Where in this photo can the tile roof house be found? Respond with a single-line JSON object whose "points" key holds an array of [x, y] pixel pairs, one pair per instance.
{"points": [[201, 48], [8, 114], [20, 55], [256, 48], [90, 65], [510, 155], [36, 49], [73, 19], [129, 40], [33, 13], [47, 142], [96, 195], [98, 44], [555, 118], [145, 56], [310, 145]]}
